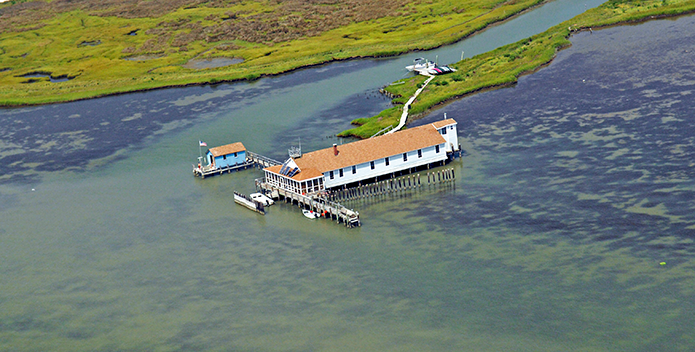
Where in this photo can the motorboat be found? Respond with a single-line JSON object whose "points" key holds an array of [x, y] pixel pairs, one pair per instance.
{"points": [[420, 64], [248, 203], [310, 214], [439, 70], [262, 198]]}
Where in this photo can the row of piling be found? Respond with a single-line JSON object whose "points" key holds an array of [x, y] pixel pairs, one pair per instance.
{"points": [[393, 185], [388, 94]]}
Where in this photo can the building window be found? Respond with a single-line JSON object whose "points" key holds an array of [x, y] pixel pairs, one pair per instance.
{"points": [[387, 161], [224, 157], [371, 164], [419, 153], [340, 172], [330, 175], [443, 130], [354, 169], [436, 149], [405, 156], [235, 155]]}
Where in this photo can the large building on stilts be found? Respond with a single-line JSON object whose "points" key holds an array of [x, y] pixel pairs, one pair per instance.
{"points": [[366, 160]]}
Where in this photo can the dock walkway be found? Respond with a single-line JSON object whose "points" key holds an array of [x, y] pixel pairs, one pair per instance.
{"points": [[261, 160], [406, 107], [315, 202]]}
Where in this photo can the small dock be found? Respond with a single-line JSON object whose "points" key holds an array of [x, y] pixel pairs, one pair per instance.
{"points": [[326, 208], [210, 170], [252, 160]]}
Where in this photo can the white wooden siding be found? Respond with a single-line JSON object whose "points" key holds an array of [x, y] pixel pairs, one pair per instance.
{"points": [[396, 163], [451, 137]]}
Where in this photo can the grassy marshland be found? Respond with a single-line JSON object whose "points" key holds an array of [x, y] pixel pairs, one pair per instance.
{"points": [[113, 46], [503, 66]]}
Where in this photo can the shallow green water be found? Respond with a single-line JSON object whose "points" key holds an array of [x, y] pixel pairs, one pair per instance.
{"points": [[576, 184]]}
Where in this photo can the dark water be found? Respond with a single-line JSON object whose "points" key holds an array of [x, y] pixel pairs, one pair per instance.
{"points": [[600, 146], [73, 135], [575, 186]]}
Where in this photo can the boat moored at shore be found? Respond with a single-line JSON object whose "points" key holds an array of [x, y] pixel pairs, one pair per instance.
{"points": [[426, 67]]}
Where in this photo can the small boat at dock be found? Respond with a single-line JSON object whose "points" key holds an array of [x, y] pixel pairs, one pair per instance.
{"points": [[248, 203], [262, 198], [420, 64], [425, 67], [310, 214]]}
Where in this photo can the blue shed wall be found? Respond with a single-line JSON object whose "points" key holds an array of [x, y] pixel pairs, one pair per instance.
{"points": [[229, 159]]}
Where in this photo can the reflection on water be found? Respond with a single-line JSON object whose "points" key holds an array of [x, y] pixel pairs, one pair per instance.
{"points": [[575, 186]]}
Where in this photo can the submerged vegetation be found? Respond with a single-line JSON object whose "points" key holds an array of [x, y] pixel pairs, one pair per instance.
{"points": [[113, 46], [503, 66]]}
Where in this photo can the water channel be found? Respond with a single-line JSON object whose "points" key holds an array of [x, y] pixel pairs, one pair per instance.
{"points": [[576, 185]]}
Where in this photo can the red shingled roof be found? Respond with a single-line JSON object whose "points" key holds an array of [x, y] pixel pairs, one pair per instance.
{"points": [[315, 163]]}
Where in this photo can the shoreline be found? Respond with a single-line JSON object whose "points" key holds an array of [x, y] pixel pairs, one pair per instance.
{"points": [[429, 108], [214, 81]]}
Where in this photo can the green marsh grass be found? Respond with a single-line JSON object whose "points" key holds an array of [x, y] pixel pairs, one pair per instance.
{"points": [[111, 66]]}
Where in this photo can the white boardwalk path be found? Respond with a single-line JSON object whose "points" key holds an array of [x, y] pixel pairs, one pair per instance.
{"points": [[404, 116]]}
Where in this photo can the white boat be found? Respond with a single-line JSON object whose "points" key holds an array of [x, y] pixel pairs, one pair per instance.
{"points": [[248, 203], [262, 198], [420, 64], [439, 70], [310, 214]]}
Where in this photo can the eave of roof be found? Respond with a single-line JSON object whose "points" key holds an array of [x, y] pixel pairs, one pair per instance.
{"points": [[227, 149], [304, 174], [442, 123]]}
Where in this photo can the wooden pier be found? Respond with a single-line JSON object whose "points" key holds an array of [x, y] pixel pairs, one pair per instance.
{"points": [[262, 161], [326, 208], [208, 170]]}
